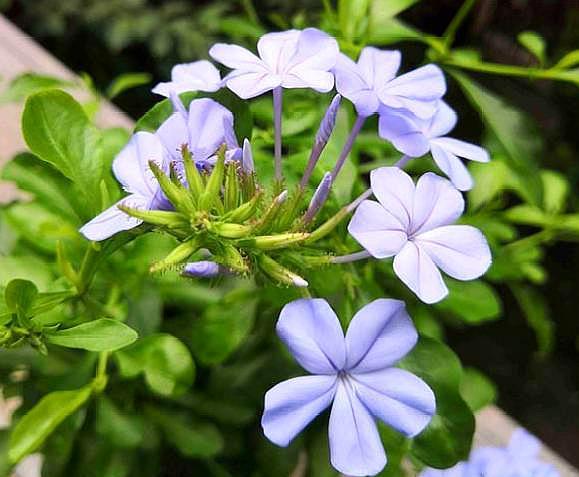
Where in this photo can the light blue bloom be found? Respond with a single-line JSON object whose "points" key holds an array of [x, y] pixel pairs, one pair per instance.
{"points": [[415, 137], [519, 459], [197, 76], [355, 375]]}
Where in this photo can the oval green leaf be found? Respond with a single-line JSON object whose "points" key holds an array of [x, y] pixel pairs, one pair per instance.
{"points": [[99, 335], [33, 429]]}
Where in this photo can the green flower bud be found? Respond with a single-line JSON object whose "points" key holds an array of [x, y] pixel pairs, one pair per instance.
{"points": [[278, 273]]}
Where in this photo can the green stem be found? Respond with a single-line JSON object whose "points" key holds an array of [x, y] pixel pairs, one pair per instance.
{"points": [[507, 70], [455, 23], [250, 11], [87, 269]]}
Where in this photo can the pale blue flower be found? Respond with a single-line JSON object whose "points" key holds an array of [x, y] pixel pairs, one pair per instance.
{"points": [[203, 129], [414, 224], [288, 59], [202, 269], [131, 168], [197, 76], [414, 137], [371, 83], [519, 459], [356, 375]]}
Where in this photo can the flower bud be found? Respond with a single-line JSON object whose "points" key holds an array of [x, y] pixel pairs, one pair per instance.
{"points": [[279, 273], [202, 269]]}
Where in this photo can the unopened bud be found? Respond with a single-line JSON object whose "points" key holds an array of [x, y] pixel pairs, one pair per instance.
{"points": [[328, 122], [272, 242], [201, 269], [279, 273], [319, 197], [179, 254]]}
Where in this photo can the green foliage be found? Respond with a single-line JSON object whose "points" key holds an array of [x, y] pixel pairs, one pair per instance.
{"points": [[58, 131], [99, 335], [448, 437], [32, 430], [164, 361], [58, 289]]}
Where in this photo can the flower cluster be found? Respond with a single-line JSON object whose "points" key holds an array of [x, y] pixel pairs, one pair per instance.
{"points": [[519, 459], [193, 180]]}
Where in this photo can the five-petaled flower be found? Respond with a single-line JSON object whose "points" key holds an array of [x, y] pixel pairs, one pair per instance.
{"points": [[413, 224], [519, 459], [203, 129], [371, 83], [290, 59], [197, 76], [414, 137], [356, 373]]}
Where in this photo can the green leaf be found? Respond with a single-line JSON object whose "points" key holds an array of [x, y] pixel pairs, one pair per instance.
{"points": [[474, 302], [477, 390], [536, 311], [448, 437], [32, 430], [192, 439], [556, 190], [390, 8], [48, 186], [222, 328], [120, 428], [510, 127], [99, 335], [125, 82], [351, 16], [163, 359], [27, 267], [569, 60], [385, 31], [489, 181], [533, 42], [527, 214], [30, 83], [58, 131], [19, 296]]}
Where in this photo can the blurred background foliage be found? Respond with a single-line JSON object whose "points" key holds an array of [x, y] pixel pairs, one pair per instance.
{"points": [[518, 326]]}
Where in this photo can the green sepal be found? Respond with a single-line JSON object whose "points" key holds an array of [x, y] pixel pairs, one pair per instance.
{"points": [[272, 242], [231, 190], [229, 230], [265, 224], [174, 193], [194, 179], [163, 218], [245, 211], [278, 273], [179, 254], [231, 258], [210, 196]]}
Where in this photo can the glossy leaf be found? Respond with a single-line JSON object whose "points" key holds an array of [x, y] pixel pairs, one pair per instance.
{"points": [[20, 296], [58, 131], [99, 335], [120, 428], [31, 431], [30, 83], [125, 82], [533, 42], [473, 302], [448, 437], [477, 390]]}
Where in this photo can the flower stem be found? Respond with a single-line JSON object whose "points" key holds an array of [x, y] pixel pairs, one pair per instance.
{"points": [[455, 23], [352, 257], [277, 108], [360, 120], [401, 163]]}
